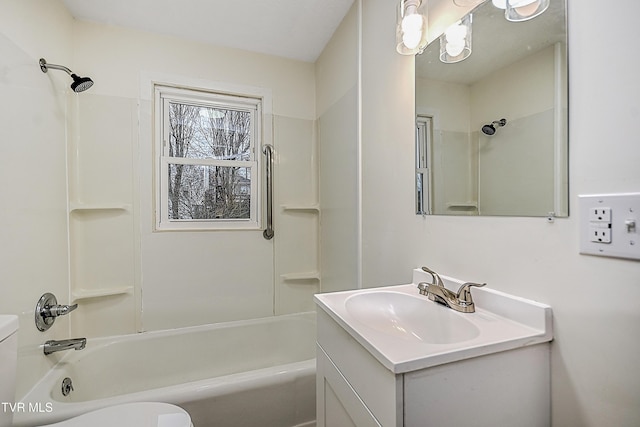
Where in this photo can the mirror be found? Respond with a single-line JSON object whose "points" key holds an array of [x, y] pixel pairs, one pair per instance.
{"points": [[514, 86]]}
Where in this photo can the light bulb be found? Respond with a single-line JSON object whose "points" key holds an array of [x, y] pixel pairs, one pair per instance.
{"points": [[525, 7], [454, 49], [523, 10], [455, 43], [521, 3], [412, 30], [467, 3], [456, 32], [500, 4]]}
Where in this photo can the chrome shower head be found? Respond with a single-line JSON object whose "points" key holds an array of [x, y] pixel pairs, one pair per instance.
{"points": [[80, 84], [490, 129]]}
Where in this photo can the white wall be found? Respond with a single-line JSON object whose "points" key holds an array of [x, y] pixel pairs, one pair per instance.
{"points": [[186, 278], [338, 153], [33, 258], [595, 378], [523, 150], [454, 160], [388, 132]]}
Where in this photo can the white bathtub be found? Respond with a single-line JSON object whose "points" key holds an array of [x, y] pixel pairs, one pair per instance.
{"points": [[248, 373]]}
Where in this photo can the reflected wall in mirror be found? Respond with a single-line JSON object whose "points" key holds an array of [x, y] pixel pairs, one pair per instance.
{"points": [[469, 161]]}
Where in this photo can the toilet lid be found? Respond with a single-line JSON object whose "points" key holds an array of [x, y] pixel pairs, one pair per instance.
{"points": [[144, 414]]}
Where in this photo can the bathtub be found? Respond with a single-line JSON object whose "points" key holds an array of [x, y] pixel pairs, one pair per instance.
{"points": [[257, 372]]}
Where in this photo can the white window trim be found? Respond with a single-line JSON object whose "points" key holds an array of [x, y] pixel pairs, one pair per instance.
{"points": [[251, 100], [424, 150]]}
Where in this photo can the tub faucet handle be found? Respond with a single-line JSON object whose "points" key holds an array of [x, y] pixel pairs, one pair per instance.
{"points": [[58, 310], [47, 309]]}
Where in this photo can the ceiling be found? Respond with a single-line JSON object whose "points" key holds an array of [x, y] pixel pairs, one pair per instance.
{"points": [[296, 29]]}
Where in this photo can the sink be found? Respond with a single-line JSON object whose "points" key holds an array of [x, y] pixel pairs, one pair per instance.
{"points": [[405, 331], [410, 318]]}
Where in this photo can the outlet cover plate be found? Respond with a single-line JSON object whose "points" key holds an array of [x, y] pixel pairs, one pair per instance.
{"points": [[621, 219]]}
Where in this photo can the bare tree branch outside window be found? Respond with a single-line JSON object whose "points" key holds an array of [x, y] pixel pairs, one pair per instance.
{"points": [[202, 191]]}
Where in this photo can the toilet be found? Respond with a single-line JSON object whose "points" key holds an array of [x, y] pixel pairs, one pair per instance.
{"points": [[143, 414]]}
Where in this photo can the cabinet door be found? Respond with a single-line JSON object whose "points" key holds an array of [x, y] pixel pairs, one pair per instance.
{"points": [[338, 405]]}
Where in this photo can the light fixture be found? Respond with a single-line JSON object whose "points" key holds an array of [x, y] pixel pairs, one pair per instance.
{"points": [[411, 28], [455, 42], [467, 3], [523, 10], [500, 4]]}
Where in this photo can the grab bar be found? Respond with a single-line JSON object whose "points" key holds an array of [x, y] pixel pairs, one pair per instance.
{"points": [[268, 151]]}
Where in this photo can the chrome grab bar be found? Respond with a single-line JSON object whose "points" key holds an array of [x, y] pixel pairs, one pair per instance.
{"points": [[267, 149]]}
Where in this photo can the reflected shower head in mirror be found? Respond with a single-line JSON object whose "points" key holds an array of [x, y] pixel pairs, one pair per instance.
{"points": [[490, 129], [80, 84]]}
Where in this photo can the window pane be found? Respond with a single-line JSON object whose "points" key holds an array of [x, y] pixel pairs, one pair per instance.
{"points": [[209, 192], [200, 132]]}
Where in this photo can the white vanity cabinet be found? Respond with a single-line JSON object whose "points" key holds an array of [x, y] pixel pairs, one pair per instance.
{"points": [[363, 380], [352, 387]]}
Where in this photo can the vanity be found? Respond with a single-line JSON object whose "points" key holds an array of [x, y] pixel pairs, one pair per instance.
{"points": [[390, 357]]}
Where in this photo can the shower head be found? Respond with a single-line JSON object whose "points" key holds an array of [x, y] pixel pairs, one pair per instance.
{"points": [[80, 84], [490, 129]]}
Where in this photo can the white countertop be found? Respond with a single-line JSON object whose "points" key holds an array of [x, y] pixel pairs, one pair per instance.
{"points": [[504, 322]]}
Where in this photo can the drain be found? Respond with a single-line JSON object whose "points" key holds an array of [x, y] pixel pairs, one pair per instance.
{"points": [[67, 386]]}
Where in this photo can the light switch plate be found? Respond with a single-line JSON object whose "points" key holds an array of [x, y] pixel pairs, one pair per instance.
{"points": [[610, 225]]}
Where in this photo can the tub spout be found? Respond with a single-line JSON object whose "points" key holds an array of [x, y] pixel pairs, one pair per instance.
{"points": [[75, 343]]}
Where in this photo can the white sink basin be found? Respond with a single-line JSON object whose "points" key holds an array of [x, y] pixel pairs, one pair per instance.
{"points": [[410, 317], [405, 331]]}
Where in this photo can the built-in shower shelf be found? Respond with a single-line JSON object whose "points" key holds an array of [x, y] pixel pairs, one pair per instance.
{"points": [[306, 275], [81, 294], [88, 207], [301, 208], [463, 206]]}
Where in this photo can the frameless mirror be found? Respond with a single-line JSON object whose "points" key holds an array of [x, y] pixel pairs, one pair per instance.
{"points": [[491, 135]]}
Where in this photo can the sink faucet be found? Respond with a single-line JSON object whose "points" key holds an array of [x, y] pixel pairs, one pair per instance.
{"points": [[460, 301], [75, 343]]}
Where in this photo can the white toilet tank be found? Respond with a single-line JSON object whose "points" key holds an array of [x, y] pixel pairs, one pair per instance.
{"points": [[8, 366]]}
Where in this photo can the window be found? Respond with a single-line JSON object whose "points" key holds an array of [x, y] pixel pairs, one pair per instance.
{"points": [[423, 153], [207, 174]]}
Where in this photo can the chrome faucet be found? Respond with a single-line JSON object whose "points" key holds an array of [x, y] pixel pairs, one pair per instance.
{"points": [[460, 301], [75, 343], [47, 309]]}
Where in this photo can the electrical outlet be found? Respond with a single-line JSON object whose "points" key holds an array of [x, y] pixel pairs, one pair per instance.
{"points": [[600, 234], [608, 225], [600, 214]]}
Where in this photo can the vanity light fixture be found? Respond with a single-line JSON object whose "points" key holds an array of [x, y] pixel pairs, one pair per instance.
{"points": [[467, 3], [455, 42], [521, 10], [411, 28]]}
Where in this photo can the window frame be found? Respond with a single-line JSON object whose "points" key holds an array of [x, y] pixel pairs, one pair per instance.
{"points": [[164, 94], [424, 141]]}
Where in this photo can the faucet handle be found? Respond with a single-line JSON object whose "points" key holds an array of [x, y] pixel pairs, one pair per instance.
{"points": [[47, 309], [58, 310], [435, 276], [464, 293]]}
